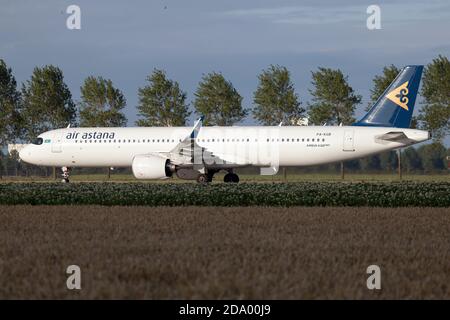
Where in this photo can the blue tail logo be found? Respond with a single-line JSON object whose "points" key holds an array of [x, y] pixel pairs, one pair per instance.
{"points": [[394, 108]]}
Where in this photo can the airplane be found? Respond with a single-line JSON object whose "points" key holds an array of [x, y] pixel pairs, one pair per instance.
{"points": [[197, 153]]}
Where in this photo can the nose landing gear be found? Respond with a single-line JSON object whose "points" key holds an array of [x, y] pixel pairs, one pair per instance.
{"points": [[65, 174]]}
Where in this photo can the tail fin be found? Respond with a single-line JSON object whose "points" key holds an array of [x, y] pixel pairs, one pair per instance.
{"points": [[396, 105]]}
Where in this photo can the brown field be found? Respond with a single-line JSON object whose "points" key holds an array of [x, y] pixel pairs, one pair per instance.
{"points": [[248, 253]]}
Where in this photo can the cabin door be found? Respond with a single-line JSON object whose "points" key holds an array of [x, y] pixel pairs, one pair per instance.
{"points": [[348, 140], [56, 141]]}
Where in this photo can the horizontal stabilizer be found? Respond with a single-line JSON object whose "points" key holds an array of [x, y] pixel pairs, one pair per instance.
{"points": [[394, 136]]}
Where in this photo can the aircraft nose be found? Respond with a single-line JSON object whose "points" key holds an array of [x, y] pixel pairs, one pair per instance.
{"points": [[25, 154]]}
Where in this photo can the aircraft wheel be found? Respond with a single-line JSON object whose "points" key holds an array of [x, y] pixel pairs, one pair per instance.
{"points": [[231, 177], [202, 178], [227, 178]]}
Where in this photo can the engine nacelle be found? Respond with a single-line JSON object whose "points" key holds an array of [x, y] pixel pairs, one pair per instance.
{"points": [[151, 167]]}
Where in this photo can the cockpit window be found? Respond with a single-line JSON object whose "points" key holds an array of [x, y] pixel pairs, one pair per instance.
{"points": [[37, 141]]}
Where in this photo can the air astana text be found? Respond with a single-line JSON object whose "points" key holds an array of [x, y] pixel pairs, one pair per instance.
{"points": [[90, 135]]}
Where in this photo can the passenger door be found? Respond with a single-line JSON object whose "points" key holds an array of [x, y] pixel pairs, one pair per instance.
{"points": [[348, 140], [56, 141]]}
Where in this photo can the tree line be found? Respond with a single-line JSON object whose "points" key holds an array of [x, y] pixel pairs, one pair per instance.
{"points": [[44, 102]]}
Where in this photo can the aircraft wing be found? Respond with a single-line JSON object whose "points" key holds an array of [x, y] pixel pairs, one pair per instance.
{"points": [[188, 150], [183, 153]]}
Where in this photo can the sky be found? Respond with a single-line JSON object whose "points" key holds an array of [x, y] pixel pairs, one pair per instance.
{"points": [[125, 40]]}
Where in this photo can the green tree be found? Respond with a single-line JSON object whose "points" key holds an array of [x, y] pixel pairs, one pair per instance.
{"points": [[370, 163], [10, 120], [435, 114], [334, 100], [2, 164], [275, 99], [47, 102], [433, 156], [218, 101], [381, 82], [101, 104], [388, 160], [412, 160], [162, 102]]}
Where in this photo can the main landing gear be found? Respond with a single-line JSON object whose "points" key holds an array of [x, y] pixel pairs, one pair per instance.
{"points": [[205, 178], [231, 177], [65, 174]]}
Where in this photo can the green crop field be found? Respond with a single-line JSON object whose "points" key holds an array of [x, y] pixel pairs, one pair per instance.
{"points": [[218, 178], [376, 194]]}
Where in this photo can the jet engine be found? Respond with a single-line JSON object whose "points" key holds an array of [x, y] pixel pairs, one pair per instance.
{"points": [[151, 167]]}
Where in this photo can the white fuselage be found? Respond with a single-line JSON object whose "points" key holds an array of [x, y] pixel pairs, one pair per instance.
{"points": [[243, 146]]}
